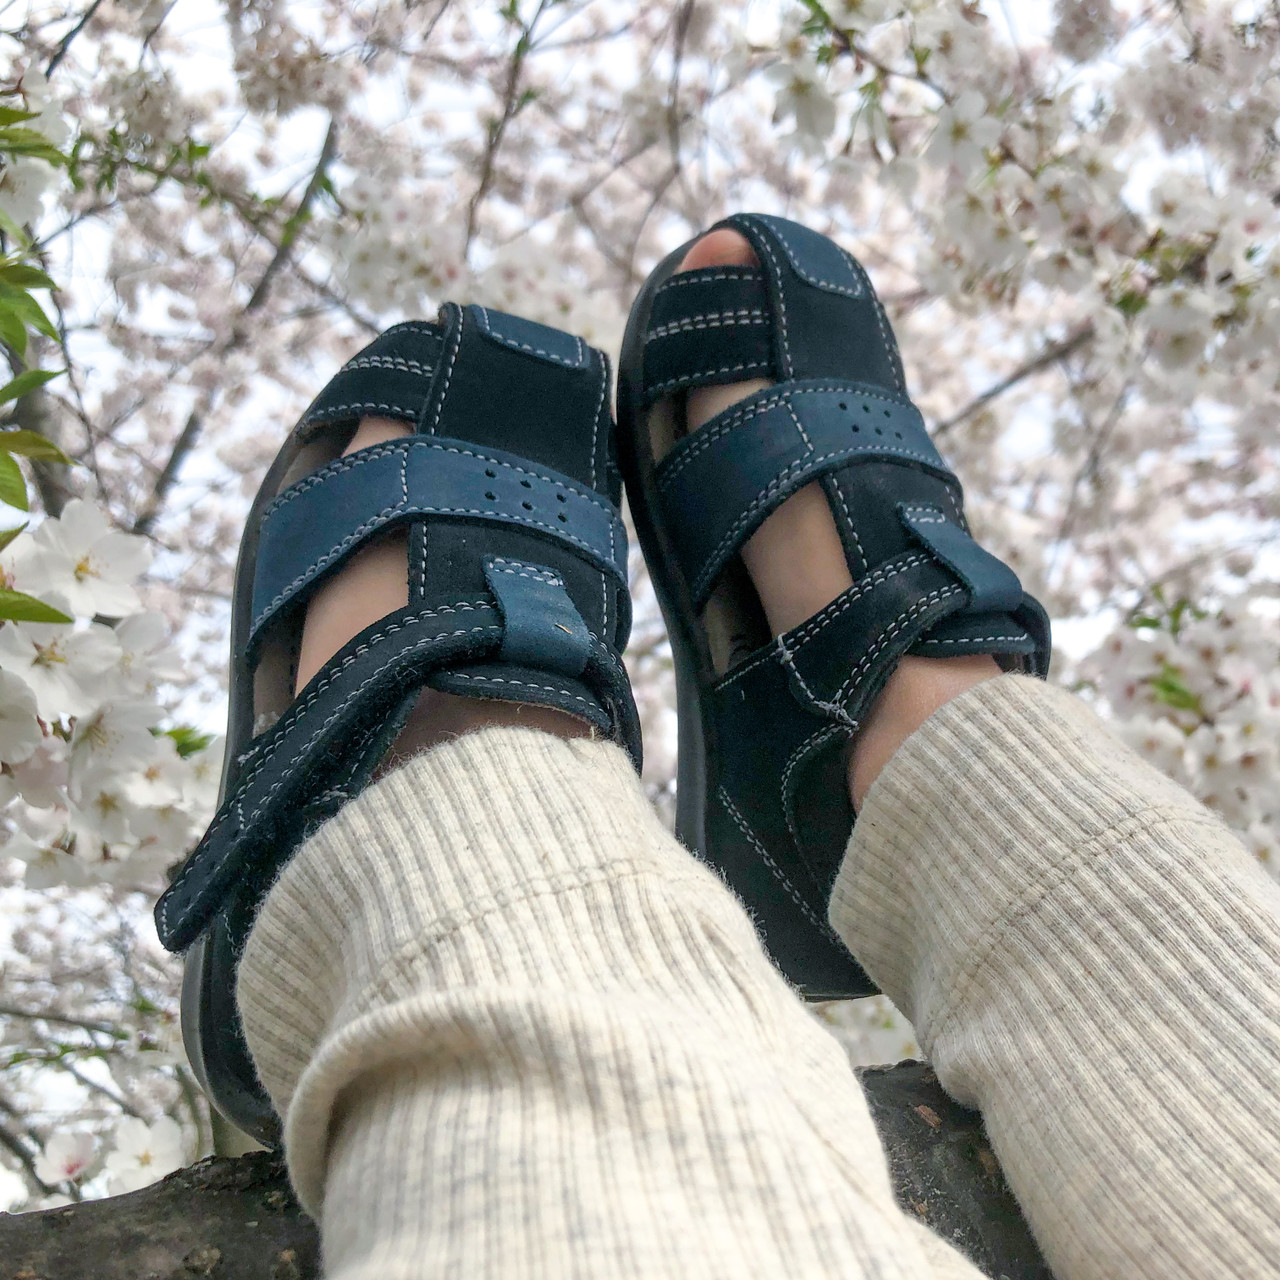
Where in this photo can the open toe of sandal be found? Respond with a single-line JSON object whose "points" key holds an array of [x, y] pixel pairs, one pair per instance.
{"points": [[766, 722], [506, 494]]}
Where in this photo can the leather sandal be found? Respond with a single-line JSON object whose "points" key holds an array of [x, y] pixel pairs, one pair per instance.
{"points": [[508, 490], [766, 723]]}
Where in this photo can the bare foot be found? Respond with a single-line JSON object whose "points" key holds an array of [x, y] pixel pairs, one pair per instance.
{"points": [[801, 534]]}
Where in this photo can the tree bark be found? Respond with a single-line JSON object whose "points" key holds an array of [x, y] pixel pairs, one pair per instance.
{"points": [[236, 1219]]}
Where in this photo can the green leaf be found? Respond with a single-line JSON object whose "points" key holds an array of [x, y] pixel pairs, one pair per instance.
{"points": [[25, 276], [27, 142], [23, 305], [13, 488], [12, 330], [31, 444], [28, 380], [14, 115], [1169, 688], [188, 739], [9, 534], [15, 606]]}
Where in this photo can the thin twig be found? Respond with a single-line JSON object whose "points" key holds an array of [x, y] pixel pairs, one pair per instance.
{"points": [[40, 1015], [511, 105], [61, 51], [194, 424], [94, 1087], [1050, 355]]}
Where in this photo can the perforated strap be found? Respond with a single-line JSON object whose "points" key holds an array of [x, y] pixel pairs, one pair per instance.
{"points": [[326, 517], [707, 327], [720, 483]]}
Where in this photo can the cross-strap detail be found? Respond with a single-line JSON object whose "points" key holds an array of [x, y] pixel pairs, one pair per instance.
{"points": [[289, 770], [720, 483], [328, 516]]}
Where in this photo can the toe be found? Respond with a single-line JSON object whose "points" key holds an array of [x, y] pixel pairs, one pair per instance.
{"points": [[722, 248]]}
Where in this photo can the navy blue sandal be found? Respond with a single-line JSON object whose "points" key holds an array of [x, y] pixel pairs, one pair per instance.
{"points": [[766, 723], [509, 491]]}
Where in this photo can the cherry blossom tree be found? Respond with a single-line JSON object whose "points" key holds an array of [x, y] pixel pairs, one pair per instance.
{"points": [[1069, 208]]}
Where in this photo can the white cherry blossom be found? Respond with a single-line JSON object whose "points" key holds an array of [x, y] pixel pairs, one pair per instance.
{"points": [[143, 1153], [95, 565], [66, 1158]]}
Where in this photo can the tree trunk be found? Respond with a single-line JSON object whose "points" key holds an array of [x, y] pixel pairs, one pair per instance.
{"points": [[236, 1219]]}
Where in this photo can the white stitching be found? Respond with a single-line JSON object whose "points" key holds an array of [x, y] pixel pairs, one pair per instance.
{"points": [[405, 443], [291, 717], [782, 309], [828, 613], [780, 481], [595, 422], [853, 533], [980, 640], [883, 574], [416, 326], [707, 320], [448, 377], [942, 593], [521, 570], [537, 351], [401, 363], [925, 514], [831, 708], [804, 435], [381, 518], [805, 276], [779, 874], [325, 411], [695, 277], [525, 684], [801, 752], [686, 378]]}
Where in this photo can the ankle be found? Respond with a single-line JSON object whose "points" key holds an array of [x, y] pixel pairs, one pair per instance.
{"points": [[917, 688]]}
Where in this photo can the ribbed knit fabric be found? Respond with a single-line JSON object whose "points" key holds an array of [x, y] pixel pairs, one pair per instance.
{"points": [[1091, 958], [516, 1031]]}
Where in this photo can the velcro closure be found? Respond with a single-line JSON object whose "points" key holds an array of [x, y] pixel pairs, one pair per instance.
{"points": [[993, 587], [542, 628]]}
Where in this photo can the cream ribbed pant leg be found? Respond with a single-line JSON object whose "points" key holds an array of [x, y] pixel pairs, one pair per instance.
{"points": [[1090, 957], [515, 1030]]}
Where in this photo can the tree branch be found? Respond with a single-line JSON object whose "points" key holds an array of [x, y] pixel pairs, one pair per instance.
{"points": [[1050, 355], [238, 1220], [194, 424], [61, 51], [40, 1015]]}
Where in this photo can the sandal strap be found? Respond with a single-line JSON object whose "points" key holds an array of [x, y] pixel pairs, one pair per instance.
{"points": [[304, 759], [720, 484], [391, 378], [326, 518], [706, 327]]}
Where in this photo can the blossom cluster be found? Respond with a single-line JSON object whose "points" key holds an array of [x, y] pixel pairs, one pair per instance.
{"points": [[92, 788], [139, 1154], [1198, 694]]}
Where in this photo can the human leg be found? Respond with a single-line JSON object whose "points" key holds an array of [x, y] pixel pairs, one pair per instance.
{"points": [[1086, 953]]}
